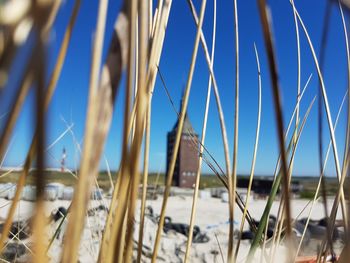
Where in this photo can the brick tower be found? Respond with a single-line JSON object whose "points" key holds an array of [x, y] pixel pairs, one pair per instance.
{"points": [[187, 158]]}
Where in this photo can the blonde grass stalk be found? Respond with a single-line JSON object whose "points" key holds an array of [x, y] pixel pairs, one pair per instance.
{"points": [[150, 18], [153, 61], [345, 254], [285, 137], [345, 157], [106, 234], [155, 19], [347, 140], [216, 92], [233, 179], [291, 122], [146, 154], [281, 216], [52, 16], [82, 190], [141, 120], [204, 129], [326, 24], [13, 169], [220, 174], [328, 113], [321, 176], [265, 17], [298, 65], [32, 151], [105, 96], [158, 34], [39, 217], [31, 16], [144, 183], [39, 77], [26, 84], [331, 222], [279, 158], [77, 145], [121, 39], [109, 173], [263, 249], [275, 186], [114, 215], [217, 95], [135, 70], [114, 250], [252, 170], [179, 131]]}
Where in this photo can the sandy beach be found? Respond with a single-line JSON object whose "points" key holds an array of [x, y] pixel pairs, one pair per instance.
{"points": [[211, 218]]}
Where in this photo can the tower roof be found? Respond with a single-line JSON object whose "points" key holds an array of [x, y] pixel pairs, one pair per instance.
{"points": [[187, 126]]}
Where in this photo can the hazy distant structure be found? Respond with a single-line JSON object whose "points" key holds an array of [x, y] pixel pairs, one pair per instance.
{"points": [[63, 160], [187, 158]]}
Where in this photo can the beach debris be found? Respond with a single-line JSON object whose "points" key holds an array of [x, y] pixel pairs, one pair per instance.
{"points": [[198, 236], [58, 213], [13, 250]]}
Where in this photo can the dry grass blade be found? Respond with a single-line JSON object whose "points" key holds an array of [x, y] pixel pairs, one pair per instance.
{"points": [[252, 169], [222, 125], [32, 151], [268, 37], [76, 221], [280, 217], [298, 63], [204, 129], [347, 140], [112, 230], [179, 130], [26, 84], [39, 79], [217, 95], [28, 19], [319, 181], [116, 61], [327, 108], [114, 250], [326, 24], [233, 179], [345, 254], [146, 154], [276, 184], [141, 120], [144, 183], [290, 145], [339, 196]]}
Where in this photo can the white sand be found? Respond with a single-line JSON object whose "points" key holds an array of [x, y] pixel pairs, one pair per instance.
{"points": [[211, 217]]}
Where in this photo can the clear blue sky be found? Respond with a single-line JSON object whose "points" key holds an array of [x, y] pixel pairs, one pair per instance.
{"points": [[70, 98]]}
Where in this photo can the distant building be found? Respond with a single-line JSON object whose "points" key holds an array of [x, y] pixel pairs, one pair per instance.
{"points": [[187, 158], [262, 186]]}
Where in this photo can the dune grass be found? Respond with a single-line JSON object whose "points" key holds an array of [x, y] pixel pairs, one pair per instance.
{"points": [[135, 52]]}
